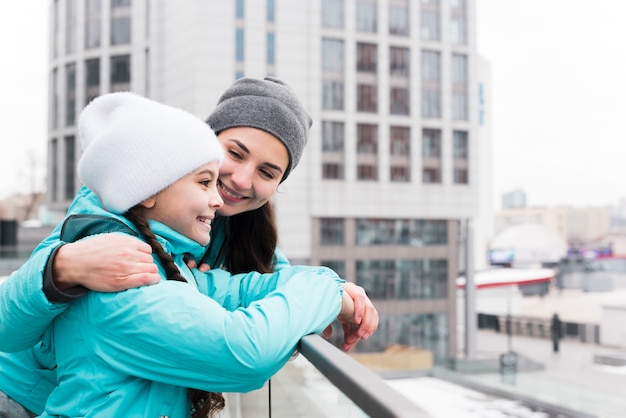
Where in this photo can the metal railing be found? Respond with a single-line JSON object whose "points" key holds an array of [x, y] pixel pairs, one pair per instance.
{"points": [[363, 387]]}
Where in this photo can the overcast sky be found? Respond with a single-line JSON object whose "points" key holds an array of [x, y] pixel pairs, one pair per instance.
{"points": [[558, 80]]}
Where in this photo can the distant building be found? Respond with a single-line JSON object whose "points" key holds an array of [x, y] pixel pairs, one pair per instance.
{"points": [[514, 199], [399, 103]]}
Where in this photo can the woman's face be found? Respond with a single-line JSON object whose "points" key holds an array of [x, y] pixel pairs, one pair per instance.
{"points": [[189, 205], [254, 164]]}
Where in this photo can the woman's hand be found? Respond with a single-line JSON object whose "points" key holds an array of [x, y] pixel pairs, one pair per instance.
{"points": [[106, 263], [358, 316]]}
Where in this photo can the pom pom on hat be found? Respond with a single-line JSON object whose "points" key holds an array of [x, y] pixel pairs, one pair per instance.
{"points": [[134, 147], [269, 105]]}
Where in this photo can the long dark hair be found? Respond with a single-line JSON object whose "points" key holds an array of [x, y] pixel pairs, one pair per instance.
{"points": [[251, 239], [204, 403]]}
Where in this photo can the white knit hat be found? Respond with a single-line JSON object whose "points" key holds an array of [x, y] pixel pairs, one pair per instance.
{"points": [[134, 147]]}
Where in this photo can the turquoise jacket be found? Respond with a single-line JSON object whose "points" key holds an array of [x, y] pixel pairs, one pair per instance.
{"points": [[28, 376]]}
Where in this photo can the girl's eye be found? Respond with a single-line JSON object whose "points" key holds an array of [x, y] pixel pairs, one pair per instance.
{"points": [[206, 183]]}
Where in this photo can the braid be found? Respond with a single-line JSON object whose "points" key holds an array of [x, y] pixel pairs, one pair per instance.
{"points": [[205, 404], [136, 217]]}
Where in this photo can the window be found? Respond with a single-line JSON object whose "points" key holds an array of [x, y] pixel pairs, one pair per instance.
{"points": [[332, 136], [70, 26], [271, 10], [431, 175], [431, 143], [70, 167], [120, 73], [399, 60], [93, 22], [70, 100], [332, 171], [366, 172], [399, 101], [460, 176], [239, 9], [332, 14], [400, 138], [120, 22], [366, 16], [332, 231], [54, 113], [338, 266], [332, 74], [367, 99], [239, 45], [458, 22], [366, 58], [271, 48], [367, 139], [459, 87], [429, 22], [431, 84], [53, 156], [399, 17], [92, 79], [400, 173], [460, 146], [409, 232]]}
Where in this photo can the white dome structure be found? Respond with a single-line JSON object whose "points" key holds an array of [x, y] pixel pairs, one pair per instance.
{"points": [[530, 244]]}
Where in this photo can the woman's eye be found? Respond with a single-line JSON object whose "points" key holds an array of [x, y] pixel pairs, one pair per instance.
{"points": [[235, 154], [267, 174]]}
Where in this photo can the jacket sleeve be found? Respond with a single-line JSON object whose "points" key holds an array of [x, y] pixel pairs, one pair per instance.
{"points": [[189, 340], [25, 311], [281, 259], [27, 296]]}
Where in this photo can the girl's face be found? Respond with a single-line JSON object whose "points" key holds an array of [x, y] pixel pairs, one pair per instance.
{"points": [[189, 205], [254, 164]]}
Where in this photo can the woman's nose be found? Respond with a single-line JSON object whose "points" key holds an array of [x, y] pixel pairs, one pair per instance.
{"points": [[242, 178]]}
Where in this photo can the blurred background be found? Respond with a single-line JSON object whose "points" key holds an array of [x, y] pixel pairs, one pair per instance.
{"points": [[464, 160]]}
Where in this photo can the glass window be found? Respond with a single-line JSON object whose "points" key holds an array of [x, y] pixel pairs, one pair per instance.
{"points": [[431, 143], [56, 29], [70, 26], [431, 84], [92, 79], [93, 23], [399, 17], [70, 167], [332, 231], [460, 176], [460, 145], [400, 173], [332, 136], [70, 99], [271, 10], [54, 113], [332, 171], [411, 232], [366, 16], [332, 95], [458, 22], [400, 141], [399, 61], [332, 55], [53, 156], [459, 87], [271, 48], [338, 266], [120, 73], [399, 101], [431, 175], [239, 45], [367, 98], [429, 20], [239, 9], [367, 172], [332, 14], [367, 58], [367, 139], [120, 22]]}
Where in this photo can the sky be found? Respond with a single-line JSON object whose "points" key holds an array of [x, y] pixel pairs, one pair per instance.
{"points": [[558, 79]]}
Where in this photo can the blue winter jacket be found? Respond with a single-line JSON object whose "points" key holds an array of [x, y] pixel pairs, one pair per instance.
{"points": [[30, 385]]}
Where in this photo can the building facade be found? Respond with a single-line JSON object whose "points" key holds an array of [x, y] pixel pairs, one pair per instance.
{"points": [[392, 163]]}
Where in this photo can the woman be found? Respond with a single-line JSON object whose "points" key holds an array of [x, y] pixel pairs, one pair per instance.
{"points": [[136, 352], [248, 178]]}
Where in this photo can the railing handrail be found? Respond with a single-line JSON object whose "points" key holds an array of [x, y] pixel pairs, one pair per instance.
{"points": [[363, 387]]}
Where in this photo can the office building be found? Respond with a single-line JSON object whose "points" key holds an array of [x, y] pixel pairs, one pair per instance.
{"points": [[392, 164]]}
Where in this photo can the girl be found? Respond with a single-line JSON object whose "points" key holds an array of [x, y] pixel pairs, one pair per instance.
{"points": [[155, 169]]}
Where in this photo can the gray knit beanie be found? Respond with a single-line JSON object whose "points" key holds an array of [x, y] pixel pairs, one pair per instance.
{"points": [[269, 105]]}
